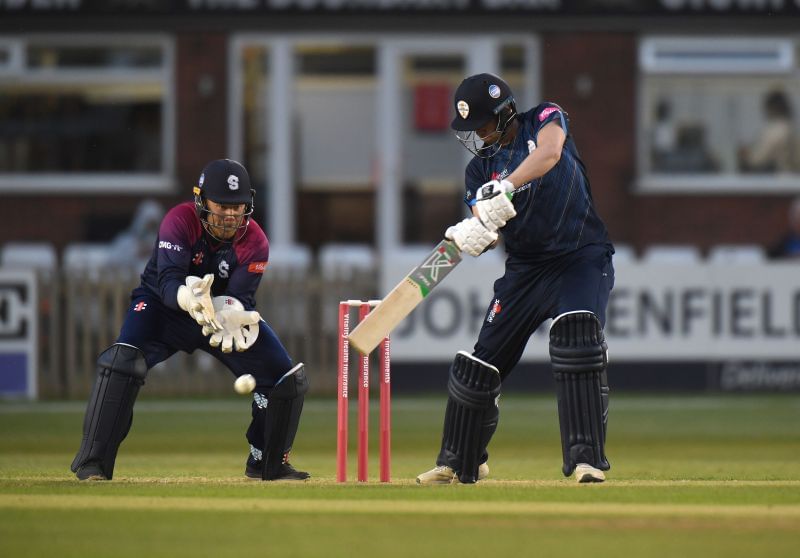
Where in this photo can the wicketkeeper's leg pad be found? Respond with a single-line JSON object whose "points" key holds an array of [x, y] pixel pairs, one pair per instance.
{"points": [[284, 407], [579, 356], [471, 415], [121, 371]]}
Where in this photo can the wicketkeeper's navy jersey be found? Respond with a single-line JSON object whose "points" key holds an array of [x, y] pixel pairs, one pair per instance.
{"points": [[555, 213], [183, 248]]}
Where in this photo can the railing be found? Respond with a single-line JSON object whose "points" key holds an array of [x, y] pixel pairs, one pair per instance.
{"points": [[81, 314]]}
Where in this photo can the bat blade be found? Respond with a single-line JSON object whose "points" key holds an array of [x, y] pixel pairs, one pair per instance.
{"points": [[405, 296]]}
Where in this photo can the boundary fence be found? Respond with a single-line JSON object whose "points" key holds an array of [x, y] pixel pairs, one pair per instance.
{"points": [[80, 314]]}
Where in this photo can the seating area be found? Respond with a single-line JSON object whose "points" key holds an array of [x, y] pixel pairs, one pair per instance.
{"points": [[337, 261], [685, 254], [38, 256], [84, 294]]}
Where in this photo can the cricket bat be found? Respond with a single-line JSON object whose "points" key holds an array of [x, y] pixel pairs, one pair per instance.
{"points": [[405, 296]]}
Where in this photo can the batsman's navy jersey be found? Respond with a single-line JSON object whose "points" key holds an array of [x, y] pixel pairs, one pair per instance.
{"points": [[555, 213], [182, 248], [559, 254]]}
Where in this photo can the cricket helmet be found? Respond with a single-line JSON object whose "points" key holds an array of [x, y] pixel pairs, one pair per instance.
{"points": [[478, 100], [226, 182]]}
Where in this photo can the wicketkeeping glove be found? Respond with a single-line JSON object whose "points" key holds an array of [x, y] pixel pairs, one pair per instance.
{"points": [[471, 236], [494, 203], [238, 327], [195, 298]]}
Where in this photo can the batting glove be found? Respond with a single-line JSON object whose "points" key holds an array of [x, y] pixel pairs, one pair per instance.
{"points": [[471, 236], [494, 203], [195, 298], [238, 327]]}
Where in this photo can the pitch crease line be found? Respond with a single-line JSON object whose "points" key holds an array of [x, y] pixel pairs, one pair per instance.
{"points": [[72, 501]]}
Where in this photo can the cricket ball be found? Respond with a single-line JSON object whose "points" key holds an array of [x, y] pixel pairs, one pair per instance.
{"points": [[244, 384]]}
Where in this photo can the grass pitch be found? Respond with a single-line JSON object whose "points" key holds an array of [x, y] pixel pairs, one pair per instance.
{"points": [[691, 476]]}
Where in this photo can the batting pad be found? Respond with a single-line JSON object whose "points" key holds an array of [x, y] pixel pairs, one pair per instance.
{"points": [[121, 370], [578, 353], [471, 414]]}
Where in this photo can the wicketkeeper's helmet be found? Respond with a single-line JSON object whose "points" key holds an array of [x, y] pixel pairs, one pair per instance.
{"points": [[224, 181]]}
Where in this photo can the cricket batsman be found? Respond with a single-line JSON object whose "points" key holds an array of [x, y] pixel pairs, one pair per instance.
{"points": [[198, 292], [528, 183]]}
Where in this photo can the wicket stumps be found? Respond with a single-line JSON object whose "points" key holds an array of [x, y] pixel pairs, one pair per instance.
{"points": [[385, 427]]}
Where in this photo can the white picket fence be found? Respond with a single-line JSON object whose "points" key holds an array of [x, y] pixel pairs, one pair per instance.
{"points": [[80, 314]]}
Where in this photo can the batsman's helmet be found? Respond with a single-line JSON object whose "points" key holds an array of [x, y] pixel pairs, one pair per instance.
{"points": [[478, 100], [226, 182]]}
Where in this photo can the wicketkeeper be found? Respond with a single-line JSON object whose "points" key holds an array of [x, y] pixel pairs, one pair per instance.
{"points": [[198, 292], [528, 183]]}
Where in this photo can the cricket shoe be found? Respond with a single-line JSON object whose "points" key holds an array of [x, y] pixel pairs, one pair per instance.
{"points": [[586, 473], [287, 472], [91, 471], [442, 474]]}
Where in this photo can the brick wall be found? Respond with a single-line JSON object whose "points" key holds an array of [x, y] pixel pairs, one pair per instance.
{"points": [[201, 120], [593, 77], [64, 219], [201, 83]]}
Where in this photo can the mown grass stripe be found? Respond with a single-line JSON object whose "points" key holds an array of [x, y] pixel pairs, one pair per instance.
{"points": [[329, 481], [394, 506]]}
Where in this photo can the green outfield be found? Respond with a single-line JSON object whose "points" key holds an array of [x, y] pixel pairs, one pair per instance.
{"points": [[691, 476]]}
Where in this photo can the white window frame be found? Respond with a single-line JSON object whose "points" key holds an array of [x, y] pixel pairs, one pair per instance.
{"points": [[663, 55], [281, 212], [14, 48], [707, 55], [97, 183]]}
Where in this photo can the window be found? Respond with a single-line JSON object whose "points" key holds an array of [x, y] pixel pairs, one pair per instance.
{"points": [[86, 114], [719, 115], [9, 56], [334, 96], [335, 60], [254, 116]]}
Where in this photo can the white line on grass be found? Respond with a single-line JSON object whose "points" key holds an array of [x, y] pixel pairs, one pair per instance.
{"points": [[391, 507]]}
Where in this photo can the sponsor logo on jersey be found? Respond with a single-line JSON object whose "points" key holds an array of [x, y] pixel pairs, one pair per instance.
{"points": [[257, 267], [223, 269], [197, 259], [547, 112], [169, 245], [233, 182], [140, 306], [496, 308], [531, 146], [494, 91], [501, 175], [463, 109]]}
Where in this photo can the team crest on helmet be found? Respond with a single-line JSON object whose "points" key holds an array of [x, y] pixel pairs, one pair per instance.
{"points": [[233, 182], [494, 91], [463, 109], [202, 179]]}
